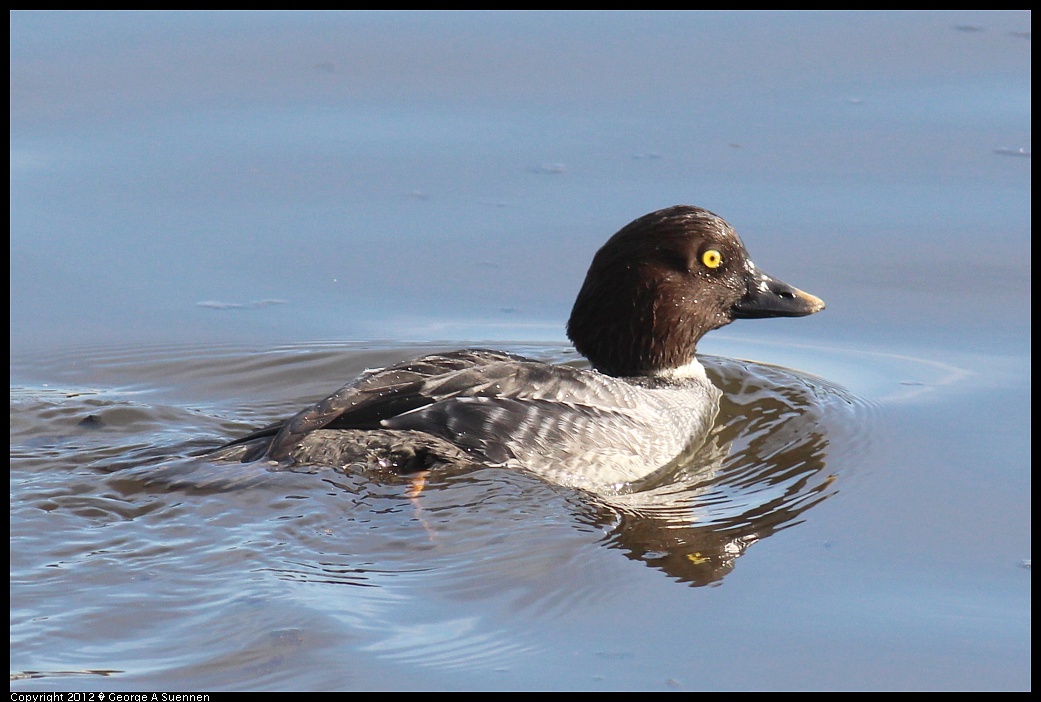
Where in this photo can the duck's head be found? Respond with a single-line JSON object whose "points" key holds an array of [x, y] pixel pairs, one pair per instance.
{"points": [[663, 281]]}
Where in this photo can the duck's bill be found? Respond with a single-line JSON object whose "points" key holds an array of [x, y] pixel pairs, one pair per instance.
{"points": [[768, 297]]}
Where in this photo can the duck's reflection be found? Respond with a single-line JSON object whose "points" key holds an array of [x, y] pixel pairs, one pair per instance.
{"points": [[763, 466]]}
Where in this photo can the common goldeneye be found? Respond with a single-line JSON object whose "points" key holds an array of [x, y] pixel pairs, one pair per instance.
{"points": [[652, 291]]}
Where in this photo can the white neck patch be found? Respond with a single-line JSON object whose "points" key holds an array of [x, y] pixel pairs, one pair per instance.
{"points": [[692, 370]]}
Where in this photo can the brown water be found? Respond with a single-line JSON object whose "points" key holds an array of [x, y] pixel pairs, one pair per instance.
{"points": [[214, 218]]}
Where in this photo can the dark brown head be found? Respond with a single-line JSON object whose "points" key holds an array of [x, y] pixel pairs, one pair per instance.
{"points": [[663, 281]]}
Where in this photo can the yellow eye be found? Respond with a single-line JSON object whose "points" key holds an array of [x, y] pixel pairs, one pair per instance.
{"points": [[712, 258]]}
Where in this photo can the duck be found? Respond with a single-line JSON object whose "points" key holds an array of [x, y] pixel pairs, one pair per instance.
{"points": [[645, 403]]}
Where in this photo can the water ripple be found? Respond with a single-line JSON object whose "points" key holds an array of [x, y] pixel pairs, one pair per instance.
{"points": [[113, 466]]}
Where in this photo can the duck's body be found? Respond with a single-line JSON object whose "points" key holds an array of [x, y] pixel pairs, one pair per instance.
{"points": [[652, 291], [571, 426]]}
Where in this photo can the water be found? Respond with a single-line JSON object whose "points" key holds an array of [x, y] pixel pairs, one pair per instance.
{"points": [[218, 217]]}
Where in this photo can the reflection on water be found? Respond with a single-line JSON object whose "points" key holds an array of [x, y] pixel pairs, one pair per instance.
{"points": [[263, 576], [765, 463], [112, 464]]}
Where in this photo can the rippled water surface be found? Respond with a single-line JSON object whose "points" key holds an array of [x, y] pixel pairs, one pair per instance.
{"points": [[214, 218]]}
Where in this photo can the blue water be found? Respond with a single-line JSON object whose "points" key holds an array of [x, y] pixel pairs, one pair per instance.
{"points": [[216, 217]]}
